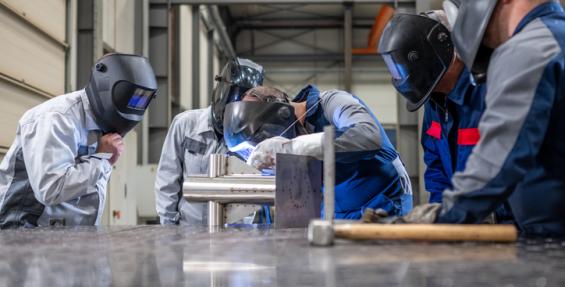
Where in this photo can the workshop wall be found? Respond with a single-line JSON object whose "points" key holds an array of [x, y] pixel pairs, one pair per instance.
{"points": [[371, 81], [32, 58]]}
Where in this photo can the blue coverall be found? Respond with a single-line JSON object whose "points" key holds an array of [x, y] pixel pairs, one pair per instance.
{"points": [[369, 172], [521, 154]]}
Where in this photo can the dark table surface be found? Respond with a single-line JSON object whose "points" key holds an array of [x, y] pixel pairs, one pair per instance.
{"points": [[198, 256]]}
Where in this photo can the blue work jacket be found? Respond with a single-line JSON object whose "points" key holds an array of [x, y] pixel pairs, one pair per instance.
{"points": [[450, 131], [369, 172], [521, 154]]}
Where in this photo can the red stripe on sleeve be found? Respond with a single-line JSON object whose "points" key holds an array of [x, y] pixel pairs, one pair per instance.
{"points": [[469, 136]]}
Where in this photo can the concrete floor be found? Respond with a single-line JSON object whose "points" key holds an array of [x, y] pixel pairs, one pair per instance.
{"points": [[189, 256]]}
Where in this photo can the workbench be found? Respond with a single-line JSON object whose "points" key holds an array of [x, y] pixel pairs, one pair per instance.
{"points": [[202, 256]]}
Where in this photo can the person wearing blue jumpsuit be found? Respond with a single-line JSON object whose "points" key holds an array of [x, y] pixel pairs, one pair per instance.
{"points": [[521, 154], [453, 104], [369, 172], [449, 133]]}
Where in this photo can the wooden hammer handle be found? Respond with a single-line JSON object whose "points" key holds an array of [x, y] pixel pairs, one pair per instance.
{"points": [[427, 232]]}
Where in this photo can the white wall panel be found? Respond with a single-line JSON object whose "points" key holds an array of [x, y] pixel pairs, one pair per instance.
{"points": [[49, 15], [204, 94], [125, 26], [109, 22], [381, 98], [185, 56], [122, 199], [28, 55], [14, 102]]}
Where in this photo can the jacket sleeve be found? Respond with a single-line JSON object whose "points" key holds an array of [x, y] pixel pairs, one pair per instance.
{"points": [[521, 92], [50, 150], [357, 134], [435, 177], [169, 179]]}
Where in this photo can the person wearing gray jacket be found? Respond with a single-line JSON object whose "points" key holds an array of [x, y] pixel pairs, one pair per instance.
{"points": [[193, 136], [59, 164]]}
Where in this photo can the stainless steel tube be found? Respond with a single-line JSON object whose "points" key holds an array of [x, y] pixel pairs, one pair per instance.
{"points": [[250, 198], [215, 213], [217, 165], [329, 173], [203, 187]]}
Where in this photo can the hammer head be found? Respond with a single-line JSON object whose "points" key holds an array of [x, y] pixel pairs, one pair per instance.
{"points": [[320, 232]]}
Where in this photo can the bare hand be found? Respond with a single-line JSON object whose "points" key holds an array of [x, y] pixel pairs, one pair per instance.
{"points": [[111, 143]]}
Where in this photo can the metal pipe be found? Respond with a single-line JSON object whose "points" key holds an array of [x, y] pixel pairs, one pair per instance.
{"points": [[248, 198], [217, 165], [221, 28], [329, 173], [348, 47], [215, 213], [227, 187]]}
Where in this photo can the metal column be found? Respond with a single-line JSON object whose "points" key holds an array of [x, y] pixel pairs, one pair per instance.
{"points": [[348, 46], [211, 73], [195, 57], [89, 40], [329, 173]]}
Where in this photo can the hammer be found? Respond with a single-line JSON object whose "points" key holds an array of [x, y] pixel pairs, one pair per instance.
{"points": [[323, 232]]}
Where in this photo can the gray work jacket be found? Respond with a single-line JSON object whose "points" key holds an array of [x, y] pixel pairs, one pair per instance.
{"points": [[51, 174], [190, 142]]}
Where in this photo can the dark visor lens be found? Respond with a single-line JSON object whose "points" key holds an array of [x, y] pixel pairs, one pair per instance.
{"points": [[140, 99], [414, 73], [395, 70], [130, 98]]}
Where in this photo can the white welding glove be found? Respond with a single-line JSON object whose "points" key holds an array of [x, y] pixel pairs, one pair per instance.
{"points": [[264, 155]]}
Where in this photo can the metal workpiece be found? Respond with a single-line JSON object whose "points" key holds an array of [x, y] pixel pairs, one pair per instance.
{"points": [[295, 191], [215, 213], [217, 165], [230, 189], [201, 256], [298, 197]]}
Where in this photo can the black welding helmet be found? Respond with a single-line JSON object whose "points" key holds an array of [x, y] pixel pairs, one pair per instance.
{"points": [[120, 89], [417, 51], [246, 124], [469, 30], [237, 76]]}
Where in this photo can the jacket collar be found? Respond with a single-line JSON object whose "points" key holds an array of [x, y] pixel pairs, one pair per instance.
{"points": [[205, 122], [89, 121], [457, 95], [540, 11], [311, 95]]}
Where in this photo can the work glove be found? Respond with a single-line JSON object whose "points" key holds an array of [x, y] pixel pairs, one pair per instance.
{"points": [[264, 154], [421, 214]]}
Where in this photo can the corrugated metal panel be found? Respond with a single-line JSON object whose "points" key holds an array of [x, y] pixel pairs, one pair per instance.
{"points": [[30, 56], [49, 15], [15, 101]]}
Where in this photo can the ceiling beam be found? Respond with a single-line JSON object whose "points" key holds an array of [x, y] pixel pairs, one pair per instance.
{"points": [[298, 24], [318, 57]]}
